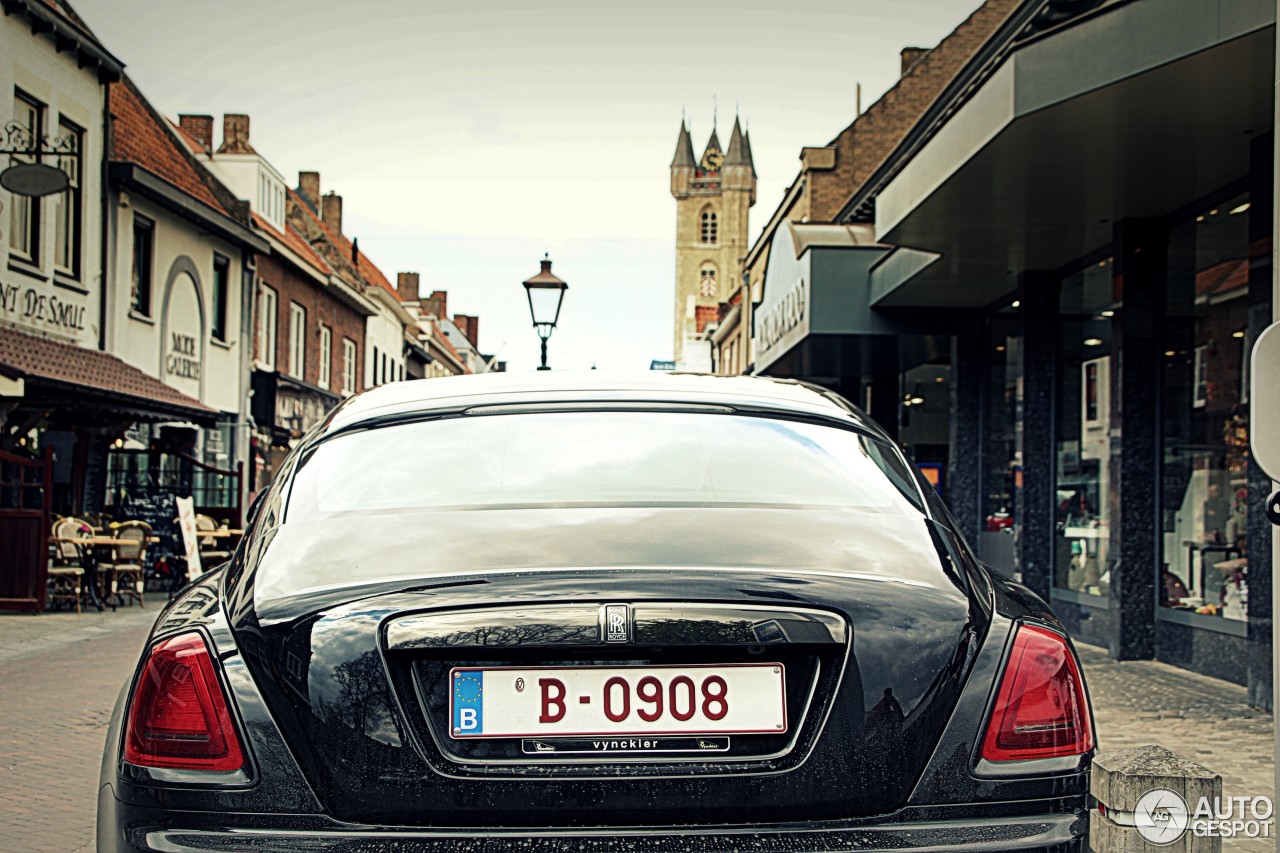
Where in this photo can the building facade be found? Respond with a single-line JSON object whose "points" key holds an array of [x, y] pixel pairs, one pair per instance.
{"points": [[1046, 283], [304, 326]]}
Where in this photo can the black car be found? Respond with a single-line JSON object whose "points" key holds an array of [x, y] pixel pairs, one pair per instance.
{"points": [[555, 611]]}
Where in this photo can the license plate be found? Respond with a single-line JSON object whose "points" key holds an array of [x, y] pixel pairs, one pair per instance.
{"points": [[566, 701]]}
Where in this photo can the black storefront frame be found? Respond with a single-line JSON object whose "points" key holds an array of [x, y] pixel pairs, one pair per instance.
{"points": [[1206, 641], [1198, 642]]}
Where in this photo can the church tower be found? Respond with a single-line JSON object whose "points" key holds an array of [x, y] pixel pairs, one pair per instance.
{"points": [[714, 195]]}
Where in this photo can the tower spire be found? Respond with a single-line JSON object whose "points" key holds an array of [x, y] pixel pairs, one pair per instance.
{"points": [[738, 153], [684, 148]]}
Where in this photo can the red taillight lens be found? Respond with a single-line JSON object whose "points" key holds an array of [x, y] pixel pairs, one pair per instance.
{"points": [[179, 717], [1041, 710]]}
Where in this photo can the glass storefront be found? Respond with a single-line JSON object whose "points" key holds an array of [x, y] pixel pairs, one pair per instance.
{"points": [[1205, 415], [1088, 424], [1002, 444], [924, 416]]}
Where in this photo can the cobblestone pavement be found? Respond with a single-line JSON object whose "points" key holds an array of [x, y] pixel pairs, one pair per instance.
{"points": [[1140, 702], [60, 674], [59, 677]]}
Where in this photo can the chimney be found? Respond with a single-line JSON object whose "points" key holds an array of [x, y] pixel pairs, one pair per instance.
{"points": [[331, 213], [469, 326], [200, 127], [309, 189], [235, 135], [437, 304], [407, 286], [910, 56]]}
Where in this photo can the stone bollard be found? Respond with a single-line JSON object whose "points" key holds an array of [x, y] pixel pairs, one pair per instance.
{"points": [[1146, 797]]}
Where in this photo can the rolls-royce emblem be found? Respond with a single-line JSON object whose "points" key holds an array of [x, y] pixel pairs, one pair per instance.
{"points": [[615, 624]]}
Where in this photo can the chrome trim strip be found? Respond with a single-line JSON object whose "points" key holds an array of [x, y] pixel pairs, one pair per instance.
{"points": [[651, 623]]}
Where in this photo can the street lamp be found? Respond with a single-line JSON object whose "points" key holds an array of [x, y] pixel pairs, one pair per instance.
{"points": [[546, 293]]}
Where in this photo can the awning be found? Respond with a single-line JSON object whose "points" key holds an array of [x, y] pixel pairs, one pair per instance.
{"points": [[49, 372], [816, 283], [1136, 111]]}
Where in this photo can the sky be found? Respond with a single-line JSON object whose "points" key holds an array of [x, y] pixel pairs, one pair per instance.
{"points": [[467, 140]]}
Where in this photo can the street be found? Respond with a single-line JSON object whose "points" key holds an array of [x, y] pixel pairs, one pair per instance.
{"points": [[60, 675], [62, 672]]}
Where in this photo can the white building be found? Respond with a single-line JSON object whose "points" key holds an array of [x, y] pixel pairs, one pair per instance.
{"points": [[182, 259]]}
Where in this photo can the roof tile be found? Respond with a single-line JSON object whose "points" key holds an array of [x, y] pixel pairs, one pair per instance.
{"points": [[29, 356], [139, 136]]}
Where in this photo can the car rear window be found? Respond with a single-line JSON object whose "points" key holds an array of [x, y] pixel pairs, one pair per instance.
{"points": [[598, 458]]}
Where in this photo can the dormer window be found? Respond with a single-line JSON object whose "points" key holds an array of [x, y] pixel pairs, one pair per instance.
{"points": [[271, 199]]}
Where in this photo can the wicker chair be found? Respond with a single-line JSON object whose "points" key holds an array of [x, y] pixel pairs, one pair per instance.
{"points": [[66, 574], [126, 575]]}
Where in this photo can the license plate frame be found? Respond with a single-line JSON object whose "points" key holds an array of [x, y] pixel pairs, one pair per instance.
{"points": [[771, 718]]}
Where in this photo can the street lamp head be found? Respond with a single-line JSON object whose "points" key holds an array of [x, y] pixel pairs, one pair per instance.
{"points": [[546, 293]]}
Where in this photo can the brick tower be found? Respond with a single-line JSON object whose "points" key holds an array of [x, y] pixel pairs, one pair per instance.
{"points": [[714, 196]]}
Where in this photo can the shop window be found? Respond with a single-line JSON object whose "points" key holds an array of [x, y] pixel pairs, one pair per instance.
{"points": [[143, 265], [24, 211], [326, 356], [221, 287], [708, 232], [297, 340], [267, 321], [924, 413], [1205, 415], [349, 366], [1088, 422], [67, 205], [1002, 445]]}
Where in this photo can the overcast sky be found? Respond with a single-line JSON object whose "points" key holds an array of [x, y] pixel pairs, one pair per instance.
{"points": [[468, 139]]}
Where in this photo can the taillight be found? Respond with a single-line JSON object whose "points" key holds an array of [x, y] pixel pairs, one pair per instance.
{"points": [[179, 716], [1040, 710]]}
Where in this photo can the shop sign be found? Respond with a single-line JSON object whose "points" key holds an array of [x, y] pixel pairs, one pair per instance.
{"points": [[298, 411], [182, 338], [183, 360], [775, 322], [43, 311]]}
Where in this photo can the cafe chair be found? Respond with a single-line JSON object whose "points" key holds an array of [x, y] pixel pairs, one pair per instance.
{"points": [[212, 551], [66, 574], [126, 573]]}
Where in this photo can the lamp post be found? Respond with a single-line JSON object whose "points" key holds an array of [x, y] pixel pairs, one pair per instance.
{"points": [[546, 293]]}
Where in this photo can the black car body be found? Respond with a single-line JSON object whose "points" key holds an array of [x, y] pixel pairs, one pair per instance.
{"points": [[917, 701]]}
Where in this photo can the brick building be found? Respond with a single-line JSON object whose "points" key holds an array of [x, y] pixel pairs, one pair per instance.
{"points": [[433, 354]]}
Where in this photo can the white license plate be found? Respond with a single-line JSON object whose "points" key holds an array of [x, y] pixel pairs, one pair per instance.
{"points": [[549, 701]]}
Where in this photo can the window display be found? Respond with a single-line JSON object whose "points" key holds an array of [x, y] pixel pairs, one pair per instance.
{"points": [[1205, 415], [1087, 429]]}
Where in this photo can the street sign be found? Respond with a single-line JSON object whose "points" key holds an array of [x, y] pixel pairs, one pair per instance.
{"points": [[190, 541]]}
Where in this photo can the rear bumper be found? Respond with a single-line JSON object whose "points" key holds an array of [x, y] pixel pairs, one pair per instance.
{"points": [[142, 831]]}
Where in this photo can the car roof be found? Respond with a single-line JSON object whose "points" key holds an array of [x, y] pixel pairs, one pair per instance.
{"points": [[399, 399]]}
